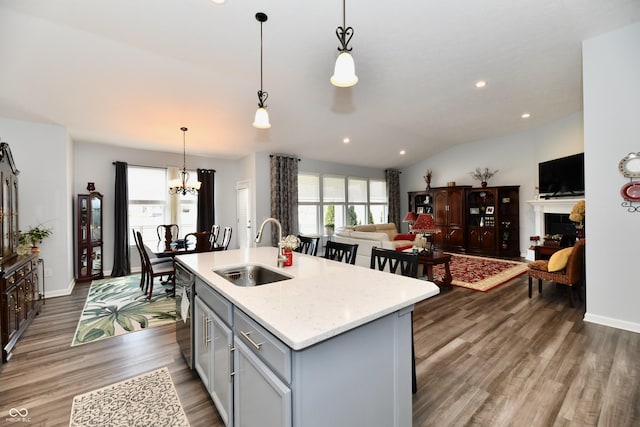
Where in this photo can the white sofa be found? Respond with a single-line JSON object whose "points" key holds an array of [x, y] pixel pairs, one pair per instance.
{"points": [[370, 235]]}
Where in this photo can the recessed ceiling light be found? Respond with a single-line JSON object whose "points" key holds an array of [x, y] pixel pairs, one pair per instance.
{"points": [[346, 140], [218, 1], [402, 152], [525, 115], [481, 84]]}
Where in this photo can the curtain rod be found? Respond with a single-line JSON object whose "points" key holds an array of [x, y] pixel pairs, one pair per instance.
{"points": [[286, 155], [147, 166]]}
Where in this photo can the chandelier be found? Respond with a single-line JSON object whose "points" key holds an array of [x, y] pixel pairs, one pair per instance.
{"points": [[261, 120], [183, 185], [344, 73]]}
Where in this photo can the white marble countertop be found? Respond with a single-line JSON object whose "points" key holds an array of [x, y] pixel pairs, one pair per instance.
{"points": [[323, 299]]}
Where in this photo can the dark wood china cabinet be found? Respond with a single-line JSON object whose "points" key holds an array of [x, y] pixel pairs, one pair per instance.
{"points": [[20, 297], [89, 237]]}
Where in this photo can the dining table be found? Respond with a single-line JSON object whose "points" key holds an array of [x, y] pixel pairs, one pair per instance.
{"points": [[166, 248]]}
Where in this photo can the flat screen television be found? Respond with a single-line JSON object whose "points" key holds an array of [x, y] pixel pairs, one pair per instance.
{"points": [[563, 177]]}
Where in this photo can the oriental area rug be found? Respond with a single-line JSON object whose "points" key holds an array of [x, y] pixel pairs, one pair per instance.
{"points": [[146, 400], [479, 273], [117, 306]]}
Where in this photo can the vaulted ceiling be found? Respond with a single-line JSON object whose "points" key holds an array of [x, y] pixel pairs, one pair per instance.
{"points": [[132, 72]]}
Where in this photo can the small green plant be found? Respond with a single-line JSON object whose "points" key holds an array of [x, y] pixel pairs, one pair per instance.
{"points": [[35, 235]]}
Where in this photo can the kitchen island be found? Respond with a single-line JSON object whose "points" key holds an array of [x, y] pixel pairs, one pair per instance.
{"points": [[331, 345]]}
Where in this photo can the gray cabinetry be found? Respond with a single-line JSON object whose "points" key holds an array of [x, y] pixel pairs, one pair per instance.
{"points": [[261, 398], [359, 377], [213, 347]]}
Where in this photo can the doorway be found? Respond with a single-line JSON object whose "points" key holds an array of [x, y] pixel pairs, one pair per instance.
{"points": [[243, 214]]}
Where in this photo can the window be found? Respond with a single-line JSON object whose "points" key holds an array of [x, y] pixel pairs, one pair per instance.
{"points": [[151, 205], [338, 200]]}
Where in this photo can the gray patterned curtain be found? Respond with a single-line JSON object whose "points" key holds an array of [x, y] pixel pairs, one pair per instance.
{"points": [[284, 194], [393, 189]]}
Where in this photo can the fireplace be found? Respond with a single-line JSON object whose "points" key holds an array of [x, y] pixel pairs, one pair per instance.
{"points": [[559, 223], [559, 208]]}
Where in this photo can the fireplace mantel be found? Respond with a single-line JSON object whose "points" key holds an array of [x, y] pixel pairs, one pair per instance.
{"points": [[543, 206]]}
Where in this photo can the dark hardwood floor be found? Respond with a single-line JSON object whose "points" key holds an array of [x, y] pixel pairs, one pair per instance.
{"points": [[483, 359]]}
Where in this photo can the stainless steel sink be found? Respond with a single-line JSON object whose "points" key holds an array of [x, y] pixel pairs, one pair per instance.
{"points": [[251, 275]]}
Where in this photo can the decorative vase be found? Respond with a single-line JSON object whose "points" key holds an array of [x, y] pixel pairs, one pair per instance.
{"points": [[483, 184], [288, 253], [35, 250], [579, 232]]}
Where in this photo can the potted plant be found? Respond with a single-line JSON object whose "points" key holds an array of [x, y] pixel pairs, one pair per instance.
{"points": [[288, 244], [328, 229], [483, 175], [34, 236]]}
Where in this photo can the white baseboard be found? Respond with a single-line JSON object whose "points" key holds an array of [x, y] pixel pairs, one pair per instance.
{"points": [[614, 323]]}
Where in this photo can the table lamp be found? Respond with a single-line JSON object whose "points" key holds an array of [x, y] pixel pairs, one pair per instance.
{"points": [[427, 226], [410, 218]]}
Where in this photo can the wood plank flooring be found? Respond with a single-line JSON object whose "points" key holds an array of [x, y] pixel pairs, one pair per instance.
{"points": [[483, 359]]}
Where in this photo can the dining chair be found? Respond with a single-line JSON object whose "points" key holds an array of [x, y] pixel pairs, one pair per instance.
{"points": [[168, 232], [152, 270], [226, 239], [406, 264], [342, 252], [152, 257], [215, 232], [308, 245], [200, 240]]}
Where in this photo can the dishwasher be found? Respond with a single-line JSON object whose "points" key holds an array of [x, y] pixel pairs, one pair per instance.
{"points": [[185, 294]]}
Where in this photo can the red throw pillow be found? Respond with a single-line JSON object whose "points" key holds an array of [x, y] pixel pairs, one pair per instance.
{"points": [[405, 237], [402, 248]]}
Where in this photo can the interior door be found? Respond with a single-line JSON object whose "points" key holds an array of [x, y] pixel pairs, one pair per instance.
{"points": [[243, 215]]}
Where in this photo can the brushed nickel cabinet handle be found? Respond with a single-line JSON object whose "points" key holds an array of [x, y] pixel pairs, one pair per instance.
{"points": [[251, 341]]}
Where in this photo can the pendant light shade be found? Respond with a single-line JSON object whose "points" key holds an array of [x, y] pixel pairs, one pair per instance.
{"points": [[261, 120], [344, 73]]}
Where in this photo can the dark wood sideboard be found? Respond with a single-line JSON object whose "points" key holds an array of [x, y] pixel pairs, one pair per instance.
{"points": [[20, 297]]}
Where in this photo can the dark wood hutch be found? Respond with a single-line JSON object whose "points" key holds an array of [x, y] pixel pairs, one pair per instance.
{"points": [[20, 297], [483, 221]]}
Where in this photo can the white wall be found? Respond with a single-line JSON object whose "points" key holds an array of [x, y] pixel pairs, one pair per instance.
{"points": [[43, 156], [515, 156], [611, 74]]}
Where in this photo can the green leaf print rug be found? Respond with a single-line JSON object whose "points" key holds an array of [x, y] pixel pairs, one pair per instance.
{"points": [[116, 306]]}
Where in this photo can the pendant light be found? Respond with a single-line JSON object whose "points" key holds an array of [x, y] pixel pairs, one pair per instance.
{"points": [[261, 120], [344, 73], [184, 185]]}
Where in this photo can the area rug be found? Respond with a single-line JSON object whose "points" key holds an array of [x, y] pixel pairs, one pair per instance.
{"points": [[479, 273], [117, 306], [146, 400]]}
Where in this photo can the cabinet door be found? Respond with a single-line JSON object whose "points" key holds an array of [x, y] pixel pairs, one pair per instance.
{"points": [[11, 297], [456, 208], [455, 237], [260, 397], [221, 381], [441, 207], [201, 323], [481, 239]]}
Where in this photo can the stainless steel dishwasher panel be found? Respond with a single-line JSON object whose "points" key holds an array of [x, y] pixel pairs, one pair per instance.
{"points": [[185, 294]]}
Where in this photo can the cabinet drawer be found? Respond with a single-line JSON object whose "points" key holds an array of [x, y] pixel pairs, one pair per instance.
{"points": [[215, 301], [269, 348]]}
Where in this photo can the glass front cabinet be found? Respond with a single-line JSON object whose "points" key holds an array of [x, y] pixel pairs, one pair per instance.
{"points": [[89, 237]]}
